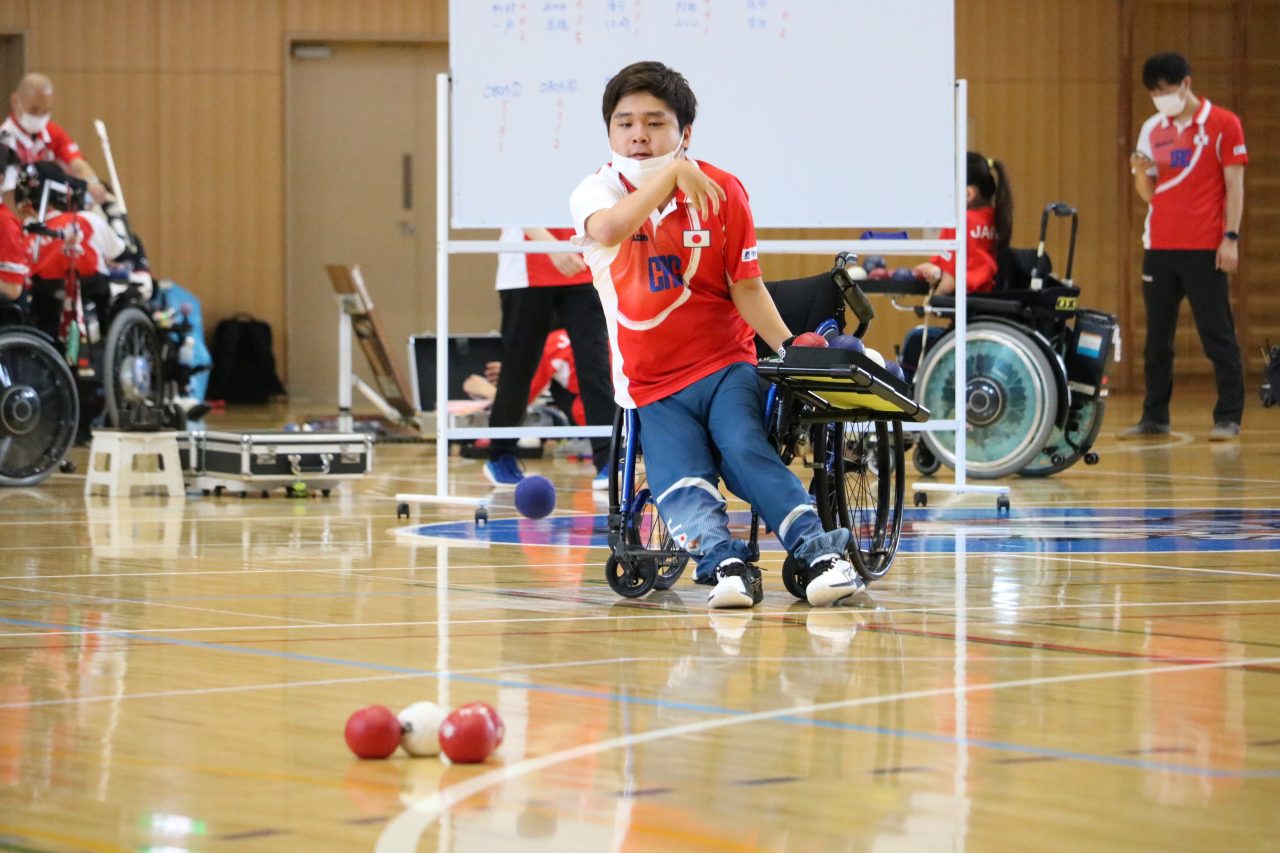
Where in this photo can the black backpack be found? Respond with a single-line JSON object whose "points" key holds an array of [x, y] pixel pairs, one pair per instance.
{"points": [[244, 366]]}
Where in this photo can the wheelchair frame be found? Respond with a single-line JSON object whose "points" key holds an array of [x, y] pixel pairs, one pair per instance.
{"points": [[843, 407]]}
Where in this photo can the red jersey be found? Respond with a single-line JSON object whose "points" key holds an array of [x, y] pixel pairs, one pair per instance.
{"points": [[665, 290], [1188, 205], [13, 249], [557, 364], [534, 270], [98, 241], [980, 244], [49, 145]]}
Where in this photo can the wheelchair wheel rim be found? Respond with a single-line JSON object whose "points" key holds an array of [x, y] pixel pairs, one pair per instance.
{"points": [[38, 409], [1010, 395], [648, 530], [871, 494]]}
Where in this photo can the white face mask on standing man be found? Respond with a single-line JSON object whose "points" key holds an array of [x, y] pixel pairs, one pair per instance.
{"points": [[32, 124], [1171, 104]]}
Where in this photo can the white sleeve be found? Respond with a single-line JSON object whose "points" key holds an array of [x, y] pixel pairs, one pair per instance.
{"points": [[1144, 141], [105, 240], [597, 192]]}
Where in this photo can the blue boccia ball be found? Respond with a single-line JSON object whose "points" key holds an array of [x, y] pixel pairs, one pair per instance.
{"points": [[848, 342], [903, 274], [535, 497], [896, 369], [873, 262]]}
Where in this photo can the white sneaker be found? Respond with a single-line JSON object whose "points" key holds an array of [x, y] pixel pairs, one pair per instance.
{"points": [[834, 580], [738, 584]]}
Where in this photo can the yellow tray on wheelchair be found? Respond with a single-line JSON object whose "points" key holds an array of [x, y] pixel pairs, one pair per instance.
{"points": [[843, 384]]}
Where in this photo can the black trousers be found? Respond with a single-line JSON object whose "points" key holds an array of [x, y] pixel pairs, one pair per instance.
{"points": [[528, 316], [1167, 276]]}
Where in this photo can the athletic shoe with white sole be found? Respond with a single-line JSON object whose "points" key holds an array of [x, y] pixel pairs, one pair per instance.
{"points": [[504, 470], [738, 584], [834, 580]]}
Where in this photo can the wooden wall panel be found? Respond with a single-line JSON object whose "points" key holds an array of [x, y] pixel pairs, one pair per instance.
{"points": [[226, 37], [408, 19], [109, 35], [15, 15]]}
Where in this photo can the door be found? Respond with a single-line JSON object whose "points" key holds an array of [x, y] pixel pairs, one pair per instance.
{"points": [[361, 190]]}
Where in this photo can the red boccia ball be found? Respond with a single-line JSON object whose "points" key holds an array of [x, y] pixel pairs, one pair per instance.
{"points": [[809, 339], [467, 735], [495, 720], [373, 732]]}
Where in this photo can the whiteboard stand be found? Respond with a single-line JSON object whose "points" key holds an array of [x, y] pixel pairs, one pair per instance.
{"points": [[445, 247]]}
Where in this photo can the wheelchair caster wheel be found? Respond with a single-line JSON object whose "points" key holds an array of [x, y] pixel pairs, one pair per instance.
{"points": [[1002, 504], [66, 466], [1057, 459], [205, 492], [630, 578], [924, 460], [482, 516], [217, 491], [402, 511], [1091, 458], [921, 499], [795, 577]]}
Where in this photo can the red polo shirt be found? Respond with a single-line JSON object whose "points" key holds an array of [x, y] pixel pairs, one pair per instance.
{"points": [[1188, 206]]}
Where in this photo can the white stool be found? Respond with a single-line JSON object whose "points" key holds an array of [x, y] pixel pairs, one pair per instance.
{"points": [[113, 463]]}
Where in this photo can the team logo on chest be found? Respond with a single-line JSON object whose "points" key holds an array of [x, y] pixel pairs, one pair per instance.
{"points": [[698, 238]]}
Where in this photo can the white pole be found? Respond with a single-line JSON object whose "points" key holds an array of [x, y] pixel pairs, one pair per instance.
{"points": [[962, 278], [345, 422], [442, 284]]}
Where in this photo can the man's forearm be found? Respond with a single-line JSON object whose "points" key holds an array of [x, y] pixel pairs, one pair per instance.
{"points": [[1144, 185], [1234, 176]]}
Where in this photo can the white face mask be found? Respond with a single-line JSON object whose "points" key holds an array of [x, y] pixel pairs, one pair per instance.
{"points": [[1171, 105], [638, 172], [33, 124]]}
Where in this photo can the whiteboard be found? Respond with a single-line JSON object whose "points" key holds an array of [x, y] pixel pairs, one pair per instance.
{"points": [[831, 112]]}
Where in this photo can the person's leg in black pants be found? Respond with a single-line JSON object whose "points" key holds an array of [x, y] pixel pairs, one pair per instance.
{"points": [[526, 320], [583, 320], [1209, 294], [1162, 293]]}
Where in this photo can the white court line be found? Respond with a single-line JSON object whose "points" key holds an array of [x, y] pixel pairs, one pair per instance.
{"points": [[1062, 558], [1209, 478], [763, 614], [498, 670], [405, 831], [104, 599]]}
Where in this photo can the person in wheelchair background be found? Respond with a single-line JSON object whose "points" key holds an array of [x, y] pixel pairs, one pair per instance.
{"points": [[672, 249], [989, 224], [34, 138]]}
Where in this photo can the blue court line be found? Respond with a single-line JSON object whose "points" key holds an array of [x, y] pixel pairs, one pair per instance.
{"points": [[665, 704]]}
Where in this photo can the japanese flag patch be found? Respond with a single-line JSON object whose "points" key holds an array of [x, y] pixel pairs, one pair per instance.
{"points": [[697, 239]]}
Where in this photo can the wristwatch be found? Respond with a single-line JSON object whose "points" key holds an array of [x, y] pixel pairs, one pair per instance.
{"points": [[1232, 235]]}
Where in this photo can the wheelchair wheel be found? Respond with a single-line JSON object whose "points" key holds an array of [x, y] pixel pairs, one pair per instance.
{"points": [[646, 529], [39, 408], [131, 368], [1083, 426], [1011, 393], [872, 487], [630, 578], [795, 577]]}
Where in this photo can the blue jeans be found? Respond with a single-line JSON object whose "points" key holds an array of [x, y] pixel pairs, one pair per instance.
{"points": [[711, 429]]}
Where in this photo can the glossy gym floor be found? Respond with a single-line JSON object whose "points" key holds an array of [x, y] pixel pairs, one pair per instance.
{"points": [[1098, 670]]}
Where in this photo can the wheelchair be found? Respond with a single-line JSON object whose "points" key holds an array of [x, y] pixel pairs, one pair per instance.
{"points": [[39, 405], [1036, 369], [837, 409], [122, 375]]}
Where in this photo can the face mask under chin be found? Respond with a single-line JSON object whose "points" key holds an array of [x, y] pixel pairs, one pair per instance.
{"points": [[639, 172]]}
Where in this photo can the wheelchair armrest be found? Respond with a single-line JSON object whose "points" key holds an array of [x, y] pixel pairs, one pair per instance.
{"points": [[890, 287], [1003, 306]]}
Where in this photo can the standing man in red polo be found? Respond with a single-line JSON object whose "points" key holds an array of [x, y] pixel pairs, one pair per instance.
{"points": [[1189, 168], [37, 139]]}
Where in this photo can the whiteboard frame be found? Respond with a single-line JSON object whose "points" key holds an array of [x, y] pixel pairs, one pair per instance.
{"points": [[446, 247]]}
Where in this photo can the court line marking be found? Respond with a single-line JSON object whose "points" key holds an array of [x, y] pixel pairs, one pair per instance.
{"points": [[404, 831], [88, 598], [763, 614]]}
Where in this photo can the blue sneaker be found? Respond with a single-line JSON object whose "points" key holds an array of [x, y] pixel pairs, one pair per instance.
{"points": [[503, 471], [601, 482]]}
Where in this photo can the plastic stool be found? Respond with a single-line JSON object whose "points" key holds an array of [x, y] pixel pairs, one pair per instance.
{"points": [[119, 453]]}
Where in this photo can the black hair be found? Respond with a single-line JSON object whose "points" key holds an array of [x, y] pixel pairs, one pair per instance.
{"points": [[991, 181], [1171, 68], [665, 84]]}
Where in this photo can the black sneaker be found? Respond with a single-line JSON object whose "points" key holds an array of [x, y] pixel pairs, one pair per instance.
{"points": [[1143, 429], [738, 584]]}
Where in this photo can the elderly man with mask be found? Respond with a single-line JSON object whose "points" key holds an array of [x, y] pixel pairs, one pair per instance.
{"points": [[35, 138]]}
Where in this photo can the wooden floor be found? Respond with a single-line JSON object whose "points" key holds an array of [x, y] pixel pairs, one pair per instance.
{"points": [[1099, 670]]}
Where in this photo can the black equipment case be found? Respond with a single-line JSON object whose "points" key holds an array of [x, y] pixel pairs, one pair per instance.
{"points": [[269, 459]]}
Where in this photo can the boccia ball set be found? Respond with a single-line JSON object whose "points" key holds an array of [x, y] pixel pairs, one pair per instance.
{"points": [[467, 735]]}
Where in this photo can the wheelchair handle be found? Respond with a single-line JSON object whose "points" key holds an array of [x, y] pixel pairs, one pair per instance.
{"points": [[853, 297], [1061, 210]]}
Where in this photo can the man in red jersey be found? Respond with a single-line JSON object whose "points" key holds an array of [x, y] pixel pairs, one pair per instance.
{"points": [[37, 139], [672, 246], [1189, 168]]}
